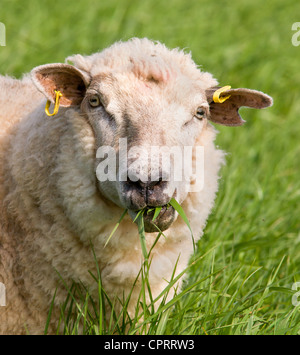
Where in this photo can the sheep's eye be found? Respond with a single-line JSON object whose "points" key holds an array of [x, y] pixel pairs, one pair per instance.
{"points": [[94, 101], [200, 113]]}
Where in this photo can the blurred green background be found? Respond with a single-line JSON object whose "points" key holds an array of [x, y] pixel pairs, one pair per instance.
{"points": [[245, 44], [225, 37]]}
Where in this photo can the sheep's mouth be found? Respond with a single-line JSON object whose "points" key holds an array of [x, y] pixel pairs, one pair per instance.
{"points": [[162, 222]]}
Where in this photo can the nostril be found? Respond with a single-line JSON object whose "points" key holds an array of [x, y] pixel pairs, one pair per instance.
{"points": [[139, 184]]}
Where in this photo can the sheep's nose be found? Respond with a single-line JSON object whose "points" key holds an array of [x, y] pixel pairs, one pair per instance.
{"points": [[151, 193], [148, 185]]}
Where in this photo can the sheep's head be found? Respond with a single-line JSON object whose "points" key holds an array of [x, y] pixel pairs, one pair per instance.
{"points": [[145, 103]]}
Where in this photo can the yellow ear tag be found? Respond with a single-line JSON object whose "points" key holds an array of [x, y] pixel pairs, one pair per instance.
{"points": [[58, 95], [217, 93]]}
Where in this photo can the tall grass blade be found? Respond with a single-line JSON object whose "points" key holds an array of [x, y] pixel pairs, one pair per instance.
{"points": [[141, 228], [181, 213], [115, 228], [49, 314]]}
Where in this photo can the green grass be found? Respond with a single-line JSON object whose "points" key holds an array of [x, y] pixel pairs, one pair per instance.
{"points": [[246, 263]]}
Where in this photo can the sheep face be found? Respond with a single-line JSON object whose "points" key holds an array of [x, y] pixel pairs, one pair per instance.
{"points": [[148, 125], [146, 106]]}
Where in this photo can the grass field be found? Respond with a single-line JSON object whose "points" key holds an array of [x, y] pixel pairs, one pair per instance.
{"points": [[249, 257]]}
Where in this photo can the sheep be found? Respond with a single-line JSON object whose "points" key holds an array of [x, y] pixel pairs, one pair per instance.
{"points": [[53, 206]]}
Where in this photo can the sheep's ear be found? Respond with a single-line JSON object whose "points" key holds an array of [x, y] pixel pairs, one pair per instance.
{"points": [[227, 112], [70, 81]]}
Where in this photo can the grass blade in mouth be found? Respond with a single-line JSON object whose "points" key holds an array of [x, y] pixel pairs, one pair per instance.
{"points": [[141, 228], [140, 222], [180, 211], [156, 213]]}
